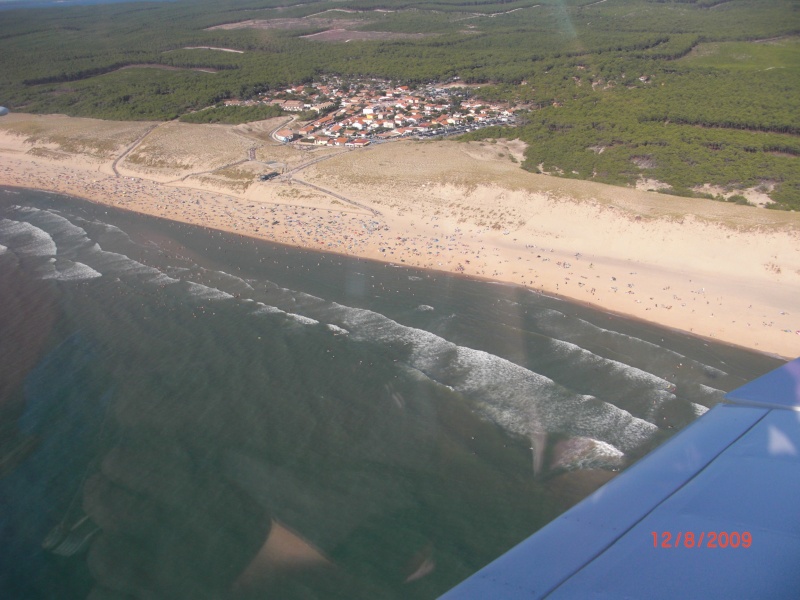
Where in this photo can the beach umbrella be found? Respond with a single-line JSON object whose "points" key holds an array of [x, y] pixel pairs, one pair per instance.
{"points": [[3, 111]]}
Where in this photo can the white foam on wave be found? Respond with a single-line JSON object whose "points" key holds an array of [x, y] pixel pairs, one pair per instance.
{"points": [[515, 397], [203, 292], [121, 265], [264, 309], [302, 319], [526, 402], [106, 228], [67, 236], [704, 395], [71, 271], [424, 308], [233, 278], [30, 239], [163, 279], [698, 409], [710, 390], [588, 328], [25, 239], [337, 330], [71, 238], [574, 352], [657, 389], [111, 228], [585, 453], [3, 249]]}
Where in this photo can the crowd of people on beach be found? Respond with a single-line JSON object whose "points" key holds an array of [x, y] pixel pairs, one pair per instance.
{"points": [[428, 242]]}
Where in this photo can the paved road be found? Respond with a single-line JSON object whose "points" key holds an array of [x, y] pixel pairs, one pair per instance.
{"points": [[130, 148], [283, 126]]}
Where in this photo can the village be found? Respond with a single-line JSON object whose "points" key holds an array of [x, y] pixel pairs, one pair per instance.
{"points": [[357, 113]]}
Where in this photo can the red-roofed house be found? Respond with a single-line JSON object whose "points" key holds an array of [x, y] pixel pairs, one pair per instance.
{"points": [[284, 135]]}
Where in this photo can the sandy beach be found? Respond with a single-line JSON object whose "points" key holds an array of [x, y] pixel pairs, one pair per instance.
{"points": [[722, 271]]}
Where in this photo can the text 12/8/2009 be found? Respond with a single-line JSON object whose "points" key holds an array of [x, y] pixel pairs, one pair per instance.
{"points": [[711, 539]]}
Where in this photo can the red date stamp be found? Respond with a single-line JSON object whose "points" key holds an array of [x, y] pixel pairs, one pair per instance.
{"points": [[707, 539]]}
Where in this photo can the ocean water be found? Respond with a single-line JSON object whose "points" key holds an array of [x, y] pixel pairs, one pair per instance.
{"points": [[167, 390]]}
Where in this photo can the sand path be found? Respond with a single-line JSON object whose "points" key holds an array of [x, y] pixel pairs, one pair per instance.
{"points": [[725, 272]]}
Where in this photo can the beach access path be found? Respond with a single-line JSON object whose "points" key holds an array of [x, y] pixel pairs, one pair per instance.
{"points": [[725, 272]]}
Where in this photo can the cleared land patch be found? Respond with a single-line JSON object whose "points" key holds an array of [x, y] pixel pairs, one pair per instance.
{"points": [[779, 53], [346, 35], [333, 30], [298, 23], [166, 68], [213, 48]]}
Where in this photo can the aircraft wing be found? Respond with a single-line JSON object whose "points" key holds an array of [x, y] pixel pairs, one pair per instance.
{"points": [[712, 513]]}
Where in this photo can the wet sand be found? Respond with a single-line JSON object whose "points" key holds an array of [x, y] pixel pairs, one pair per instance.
{"points": [[722, 271]]}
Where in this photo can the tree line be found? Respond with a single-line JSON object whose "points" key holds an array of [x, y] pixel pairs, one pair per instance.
{"points": [[611, 89]]}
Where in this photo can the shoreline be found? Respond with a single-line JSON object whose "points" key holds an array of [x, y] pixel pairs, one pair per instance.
{"points": [[721, 272], [555, 296]]}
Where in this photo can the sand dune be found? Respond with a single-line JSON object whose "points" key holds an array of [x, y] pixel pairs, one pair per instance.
{"points": [[718, 270]]}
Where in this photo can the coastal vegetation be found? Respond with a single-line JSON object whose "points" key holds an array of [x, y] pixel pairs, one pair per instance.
{"points": [[685, 93], [232, 115]]}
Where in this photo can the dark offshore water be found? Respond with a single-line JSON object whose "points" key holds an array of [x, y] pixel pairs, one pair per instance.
{"points": [[180, 387]]}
